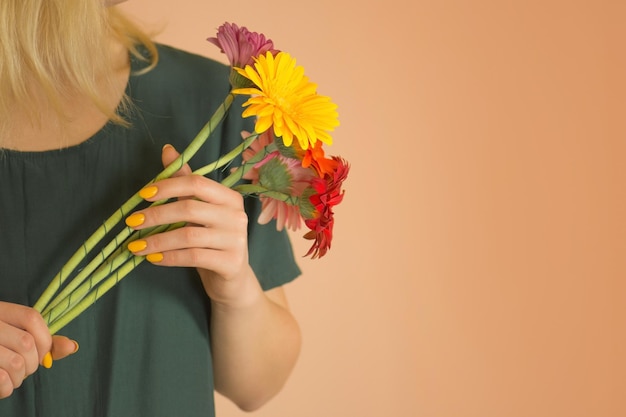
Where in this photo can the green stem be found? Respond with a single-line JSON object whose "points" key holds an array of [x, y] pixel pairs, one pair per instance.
{"points": [[80, 295], [248, 189], [107, 258], [228, 157], [114, 244], [238, 174], [94, 295], [129, 205], [65, 304], [97, 285]]}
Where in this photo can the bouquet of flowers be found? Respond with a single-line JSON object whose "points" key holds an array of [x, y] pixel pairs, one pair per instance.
{"points": [[283, 162]]}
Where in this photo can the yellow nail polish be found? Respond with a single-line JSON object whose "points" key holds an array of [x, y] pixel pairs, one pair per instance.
{"points": [[137, 245], [135, 220], [155, 257], [47, 361], [148, 192]]}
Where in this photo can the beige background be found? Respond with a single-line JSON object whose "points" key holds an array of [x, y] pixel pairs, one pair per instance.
{"points": [[478, 265]]}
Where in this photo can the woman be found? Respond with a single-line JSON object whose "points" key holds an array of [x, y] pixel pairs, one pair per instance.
{"points": [[90, 111]]}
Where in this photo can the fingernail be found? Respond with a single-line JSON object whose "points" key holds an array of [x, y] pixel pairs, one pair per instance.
{"points": [[155, 257], [137, 245], [47, 361], [167, 145], [148, 192], [135, 220], [76, 346]]}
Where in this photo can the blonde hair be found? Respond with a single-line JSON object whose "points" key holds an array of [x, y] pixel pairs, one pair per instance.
{"points": [[54, 49]]}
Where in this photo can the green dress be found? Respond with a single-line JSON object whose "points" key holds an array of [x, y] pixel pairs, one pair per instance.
{"points": [[144, 346]]}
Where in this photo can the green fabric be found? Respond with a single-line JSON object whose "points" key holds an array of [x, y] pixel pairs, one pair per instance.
{"points": [[144, 347]]}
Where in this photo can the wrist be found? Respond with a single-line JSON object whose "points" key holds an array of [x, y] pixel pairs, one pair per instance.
{"points": [[239, 293]]}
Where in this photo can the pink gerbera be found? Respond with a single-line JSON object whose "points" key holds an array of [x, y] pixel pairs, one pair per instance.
{"points": [[240, 45], [293, 174], [286, 214]]}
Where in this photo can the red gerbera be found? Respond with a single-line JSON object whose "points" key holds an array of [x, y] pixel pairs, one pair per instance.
{"points": [[327, 193]]}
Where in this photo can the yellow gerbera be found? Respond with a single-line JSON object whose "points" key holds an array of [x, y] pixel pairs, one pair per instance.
{"points": [[287, 100]]}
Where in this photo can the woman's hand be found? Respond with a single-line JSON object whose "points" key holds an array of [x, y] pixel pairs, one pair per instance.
{"points": [[24, 342], [214, 239], [254, 337]]}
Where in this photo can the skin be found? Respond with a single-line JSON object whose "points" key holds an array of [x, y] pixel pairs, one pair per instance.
{"points": [[24, 340], [254, 335]]}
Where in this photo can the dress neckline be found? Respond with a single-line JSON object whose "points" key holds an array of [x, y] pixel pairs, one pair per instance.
{"points": [[103, 132]]}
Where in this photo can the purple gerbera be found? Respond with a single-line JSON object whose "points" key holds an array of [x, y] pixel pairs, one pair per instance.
{"points": [[240, 45]]}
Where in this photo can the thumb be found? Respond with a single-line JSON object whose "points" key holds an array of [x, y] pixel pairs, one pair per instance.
{"points": [[169, 155], [62, 346]]}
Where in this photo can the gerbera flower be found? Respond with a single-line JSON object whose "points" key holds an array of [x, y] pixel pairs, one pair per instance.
{"points": [[240, 45], [286, 100], [325, 194], [314, 157], [277, 173], [286, 214]]}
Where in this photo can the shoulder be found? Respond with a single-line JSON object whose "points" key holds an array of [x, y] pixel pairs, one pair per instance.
{"points": [[182, 73], [176, 98], [179, 62]]}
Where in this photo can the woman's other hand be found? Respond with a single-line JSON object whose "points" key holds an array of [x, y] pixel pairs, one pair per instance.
{"points": [[25, 342]]}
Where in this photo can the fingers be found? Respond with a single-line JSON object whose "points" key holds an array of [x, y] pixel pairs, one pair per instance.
{"points": [[62, 347], [216, 228], [196, 186], [217, 241], [201, 202], [169, 155], [190, 211], [216, 231], [187, 237], [25, 342], [18, 357], [194, 247], [29, 320]]}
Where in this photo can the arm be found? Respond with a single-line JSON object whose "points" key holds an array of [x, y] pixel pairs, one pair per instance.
{"points": [[255, 348], [255, 339]]}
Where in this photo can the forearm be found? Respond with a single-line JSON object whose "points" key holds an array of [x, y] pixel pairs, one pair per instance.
{"points": [[255, 339], [255, 345]]}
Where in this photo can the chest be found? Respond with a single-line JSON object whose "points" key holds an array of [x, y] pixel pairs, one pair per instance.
{"points": [[51, 202]]}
